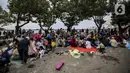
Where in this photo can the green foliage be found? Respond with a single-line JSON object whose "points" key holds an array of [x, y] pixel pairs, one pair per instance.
{"points": [[71, 14], [5, 17], [122, 20], [46, 17], [111, 5], [20, 10], [99, 7], [99, 10]]}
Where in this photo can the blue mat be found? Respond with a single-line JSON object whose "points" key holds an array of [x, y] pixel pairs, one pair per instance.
{"points": [[128, 46], [110, 47]]}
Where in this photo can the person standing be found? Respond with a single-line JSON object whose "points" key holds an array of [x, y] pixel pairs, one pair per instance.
{"points": [[49, 39], [23, 49]]}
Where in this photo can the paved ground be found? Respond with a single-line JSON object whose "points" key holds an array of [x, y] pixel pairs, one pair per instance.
{"points": [[116, 61]]}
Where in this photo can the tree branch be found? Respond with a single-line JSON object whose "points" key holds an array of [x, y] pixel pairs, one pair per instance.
{"points": [[24, 24], [40, 26], [96, 23]]}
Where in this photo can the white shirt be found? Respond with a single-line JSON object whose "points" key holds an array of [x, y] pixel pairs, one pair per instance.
{"points": [[88, 44], [124, 41]]}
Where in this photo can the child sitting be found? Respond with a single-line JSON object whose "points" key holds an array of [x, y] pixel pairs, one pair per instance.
{"points": [[101, 47]]}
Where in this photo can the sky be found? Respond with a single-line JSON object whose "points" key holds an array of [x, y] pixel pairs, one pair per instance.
{"points": [[82, 25]]}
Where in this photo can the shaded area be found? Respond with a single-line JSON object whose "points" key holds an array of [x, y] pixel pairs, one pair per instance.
{"points": [[31, 66], [110, 58]]}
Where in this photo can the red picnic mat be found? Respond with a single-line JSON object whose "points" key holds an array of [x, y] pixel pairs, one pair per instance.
{"points": [[84, 49]]}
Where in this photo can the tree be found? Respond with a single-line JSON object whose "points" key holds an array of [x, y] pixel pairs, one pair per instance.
{"points": [[47, 13], [49, 16], [1, 15], [99, 11], [21, 9], [39, 11], [5, 17], [99, 21], [122, 21], [70, 13], [111, 5], [85, 9]]}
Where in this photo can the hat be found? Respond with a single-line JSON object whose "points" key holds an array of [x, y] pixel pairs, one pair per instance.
{"points": [[75, 53]]}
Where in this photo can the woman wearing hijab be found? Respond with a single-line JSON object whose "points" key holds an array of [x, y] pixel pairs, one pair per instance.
{"points": [[73, 42], [32, 47]]}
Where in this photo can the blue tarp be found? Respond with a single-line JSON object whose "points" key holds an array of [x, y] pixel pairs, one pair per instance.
{"points": [[128, 46]]}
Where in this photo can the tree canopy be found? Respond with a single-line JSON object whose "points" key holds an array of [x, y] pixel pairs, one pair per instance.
{"points": [[99, 12], [5, 17], [74, 11], [70, 12], [122, 21]]}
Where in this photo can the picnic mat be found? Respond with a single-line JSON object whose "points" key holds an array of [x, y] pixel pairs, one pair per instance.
{"points": [[84, 49]]}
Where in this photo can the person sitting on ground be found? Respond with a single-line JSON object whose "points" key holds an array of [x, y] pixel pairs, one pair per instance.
{"points": [[61, 42], [93, 42], [96, 42], [67, 42], [116, 38], [45, 42], [32, 48], [88, 44], [80, 42], [73, 42], [113, 42], [15, 54], [101, 47], [6, 54]]}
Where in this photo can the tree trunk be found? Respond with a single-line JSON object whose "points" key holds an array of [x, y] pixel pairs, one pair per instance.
{"points": [[17, 26], [69, 28], [17, 30], [40, 26], [120, 31], [99, 29]]}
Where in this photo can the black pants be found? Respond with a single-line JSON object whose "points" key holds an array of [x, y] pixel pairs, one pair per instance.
{"points": [[23, 53], [49, 43], [102, 50]]}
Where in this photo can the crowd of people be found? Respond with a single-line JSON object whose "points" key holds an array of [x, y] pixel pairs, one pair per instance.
{"points": [[36, 45]]}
